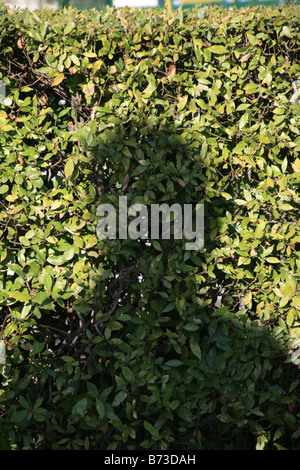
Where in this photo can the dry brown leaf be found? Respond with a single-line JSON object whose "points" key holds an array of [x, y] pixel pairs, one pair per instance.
{"points": [[20, 43], [291, 406], [43, 100], [172, 70], [244, 58]]}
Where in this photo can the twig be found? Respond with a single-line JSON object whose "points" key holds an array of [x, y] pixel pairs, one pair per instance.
{"points": [[120, 280]]}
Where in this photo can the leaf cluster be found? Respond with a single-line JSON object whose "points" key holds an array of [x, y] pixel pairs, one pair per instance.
{"points": [[134, 344]]}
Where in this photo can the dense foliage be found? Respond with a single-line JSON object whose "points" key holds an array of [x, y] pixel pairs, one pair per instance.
{"points": [[123, 344]]}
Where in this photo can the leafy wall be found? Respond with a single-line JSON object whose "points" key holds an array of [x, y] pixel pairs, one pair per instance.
{"points": [[123, 344]]}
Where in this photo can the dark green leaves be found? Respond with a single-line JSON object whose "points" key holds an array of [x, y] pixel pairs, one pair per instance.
{"points": [[141, 344]]}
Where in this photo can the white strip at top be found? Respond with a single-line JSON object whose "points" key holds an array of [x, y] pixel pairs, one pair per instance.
{"points": [[136, 3]]}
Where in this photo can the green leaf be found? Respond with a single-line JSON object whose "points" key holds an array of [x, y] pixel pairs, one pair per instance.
{"points": [[260, 229], [21, 296], [69, 168], [40, 298], [119, 398], [243, 106], [154, 433], [226, 195], [128, 374], [251, 88], [286, 32], [247, 195], [284, 165], [25, 311], [225, 418], [17, 269], [39, 414], [114, 325], [174, 363], [69, 28], [47, 281], [37, 36], [69, 254], [24, 241], [272, 260], [156, 245], [68, 359], [75, 60], [150, 88], [80, 407], [182, 102], [285, 207], [56, 260], [4, 188], [100, 408], [24, 402], [195, 348], [296, 357], [218, 50], [243, 121], [19, 416], [184, 413]]}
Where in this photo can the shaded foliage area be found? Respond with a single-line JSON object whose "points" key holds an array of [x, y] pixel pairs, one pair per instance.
{"points": [[128, 344]]}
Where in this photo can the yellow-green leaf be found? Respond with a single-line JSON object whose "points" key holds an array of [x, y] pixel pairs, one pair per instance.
{"points": [[218, 50], [244, 120], [251, 88], [58, 79], [20, 296], [75, 60], [69, 168], [272, 260], [182, 102]]}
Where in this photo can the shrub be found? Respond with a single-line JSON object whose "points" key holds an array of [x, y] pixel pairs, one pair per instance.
{"points": [[123, 344]]}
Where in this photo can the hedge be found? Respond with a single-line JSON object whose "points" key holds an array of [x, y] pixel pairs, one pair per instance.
{"points": [[131, 344]]}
